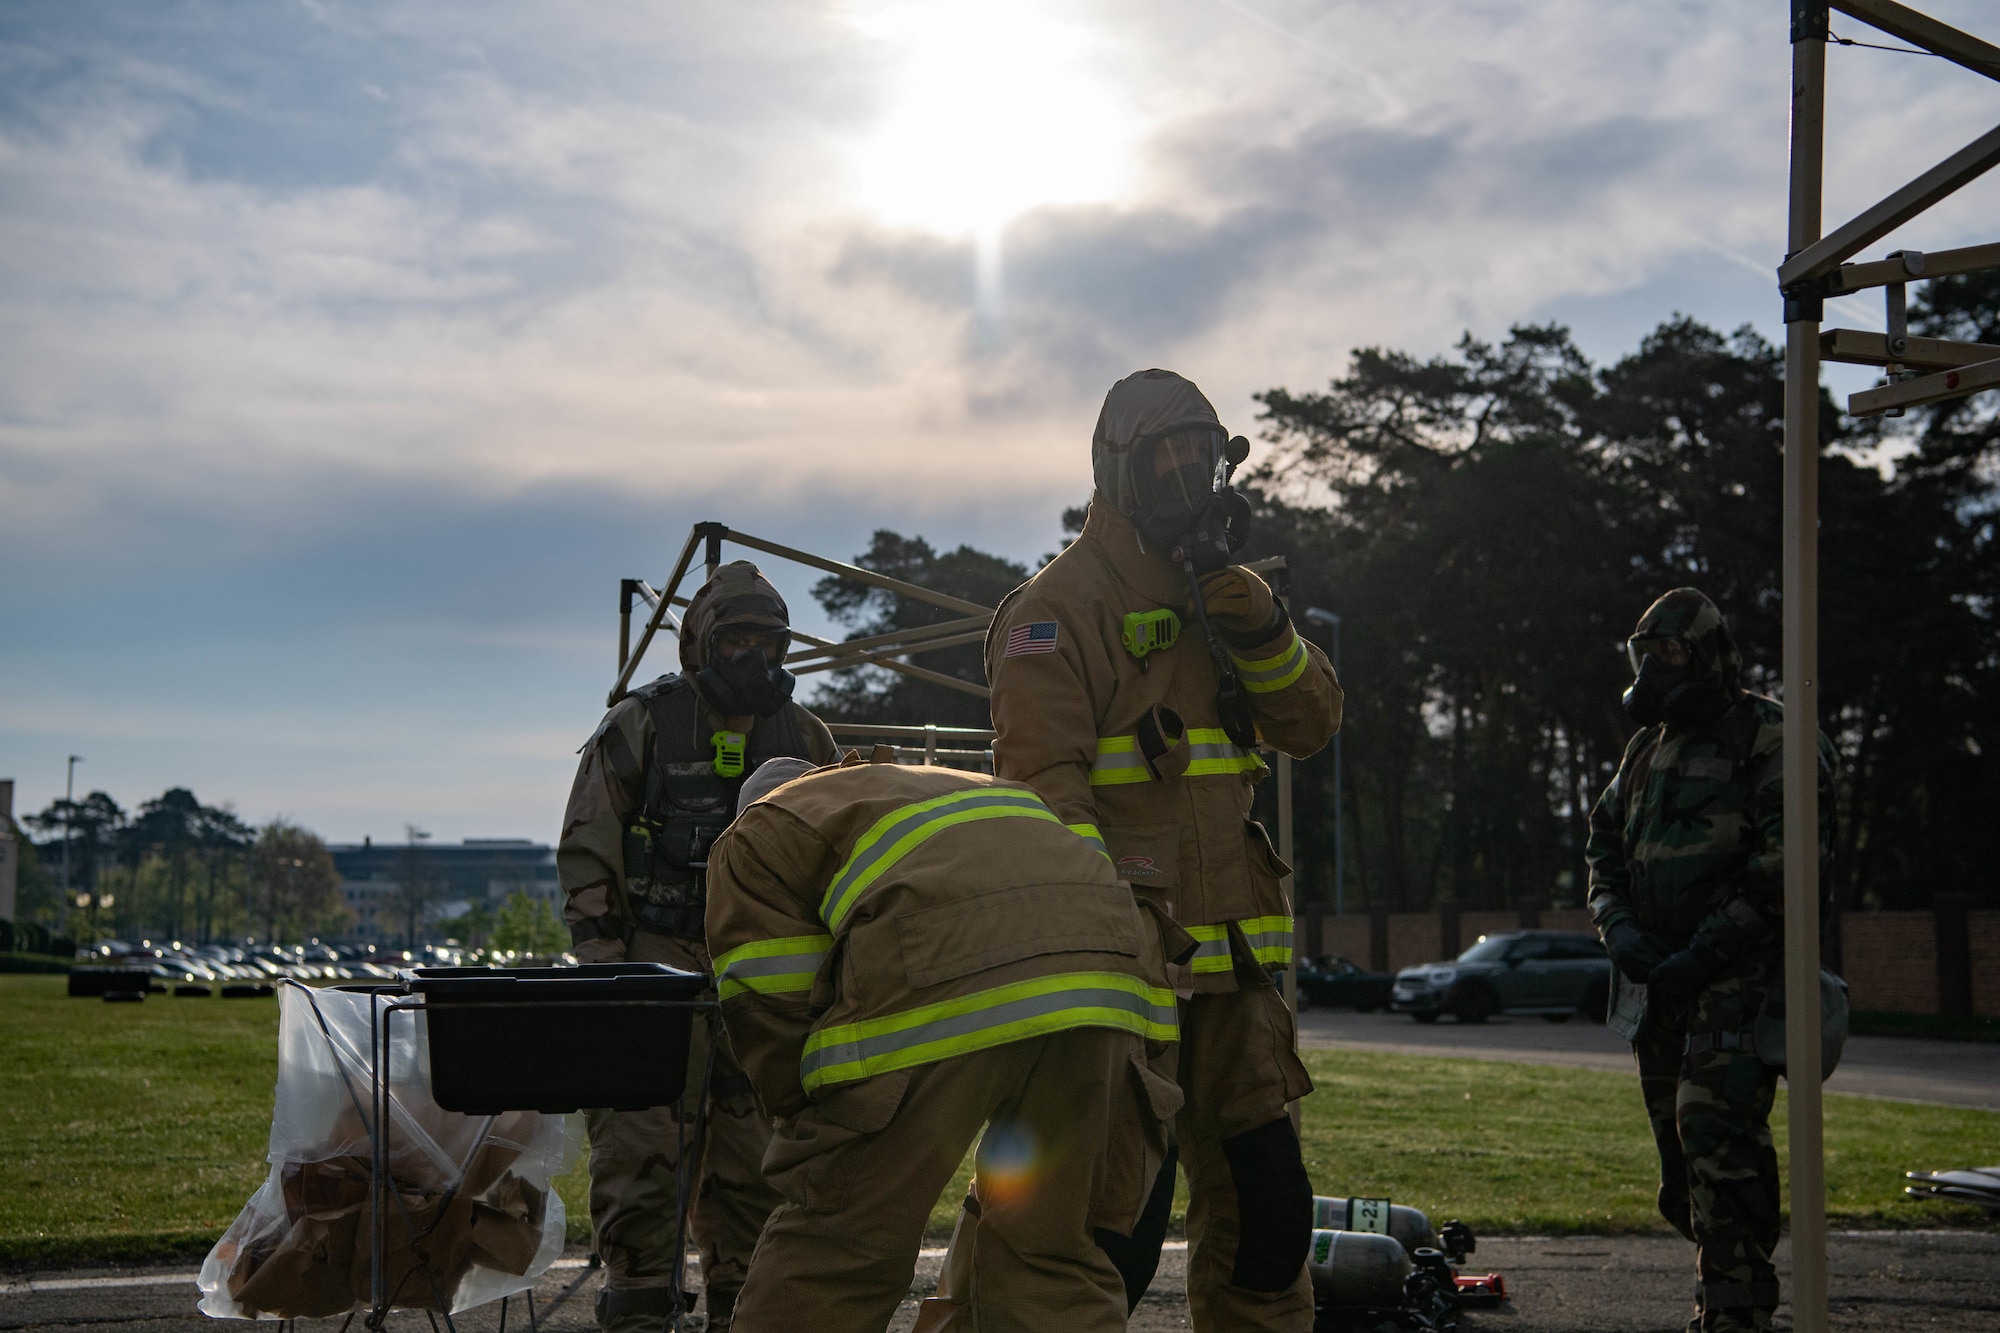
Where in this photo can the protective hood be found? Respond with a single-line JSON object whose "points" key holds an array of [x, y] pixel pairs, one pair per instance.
{"points": [[739, 594], [1137, 406], [1687, 614]]}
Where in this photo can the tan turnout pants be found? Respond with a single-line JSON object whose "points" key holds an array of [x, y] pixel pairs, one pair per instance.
{"points": [[1074, 1130], [1240, 1070], [633, 1167]]}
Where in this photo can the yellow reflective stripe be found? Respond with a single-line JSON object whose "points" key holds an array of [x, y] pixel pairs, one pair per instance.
{"points": [[1089, 833], [1210, 751], [1264, 675], [771, 967], [1269, 938], [1211, 948], [1118, 762], [985, 1019], [896, 834]]}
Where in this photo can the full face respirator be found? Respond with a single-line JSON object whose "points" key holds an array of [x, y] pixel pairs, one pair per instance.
{"points": [[746, 683], [1182, 502]]}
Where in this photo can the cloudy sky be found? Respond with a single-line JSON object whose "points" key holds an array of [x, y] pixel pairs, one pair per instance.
{"points": [[351, 352]]}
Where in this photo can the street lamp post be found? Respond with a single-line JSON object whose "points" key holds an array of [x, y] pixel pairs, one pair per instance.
{"points": [[1321, 616], [69, 804]]}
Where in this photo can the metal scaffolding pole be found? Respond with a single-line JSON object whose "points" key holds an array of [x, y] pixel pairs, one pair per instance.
{"points": [[1801, 672]]}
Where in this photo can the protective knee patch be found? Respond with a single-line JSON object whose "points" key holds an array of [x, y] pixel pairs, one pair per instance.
{"points": [[616, 1304], [1274, 1206], [1137, 1256]]}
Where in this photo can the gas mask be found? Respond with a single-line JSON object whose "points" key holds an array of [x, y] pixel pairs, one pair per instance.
{"points": [[1183, 505], [746, 683], [1664, 693]]}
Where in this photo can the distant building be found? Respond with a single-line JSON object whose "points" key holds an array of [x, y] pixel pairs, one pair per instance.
{"points": [[476, 872]]}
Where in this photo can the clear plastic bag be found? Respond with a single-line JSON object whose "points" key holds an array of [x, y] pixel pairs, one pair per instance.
{"points": [[471, 1214]]}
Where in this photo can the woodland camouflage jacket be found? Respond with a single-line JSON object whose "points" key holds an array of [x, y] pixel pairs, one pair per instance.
{"points": [[1689, 837]]}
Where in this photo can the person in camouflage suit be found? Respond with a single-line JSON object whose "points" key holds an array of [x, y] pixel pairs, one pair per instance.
{"points": [[657, 784], [1686, 857]]}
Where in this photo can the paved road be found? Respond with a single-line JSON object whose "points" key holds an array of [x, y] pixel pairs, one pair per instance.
{"points": [[1881, 1281], [1954, 1073]]}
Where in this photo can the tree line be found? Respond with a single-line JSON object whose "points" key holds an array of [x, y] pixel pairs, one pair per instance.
{"points": [[174, 868], [1489, 525]]}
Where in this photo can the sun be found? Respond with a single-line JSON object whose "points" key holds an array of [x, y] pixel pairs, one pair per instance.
{"points": [[995, 111]]}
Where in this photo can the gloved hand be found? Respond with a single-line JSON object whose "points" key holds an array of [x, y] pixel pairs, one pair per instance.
{"points": [[1679, 977], [1238, 600], [1633, 951]]}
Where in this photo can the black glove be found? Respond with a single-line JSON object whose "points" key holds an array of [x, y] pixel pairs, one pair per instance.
{"points": [[1635, 952], [1682, 976]]}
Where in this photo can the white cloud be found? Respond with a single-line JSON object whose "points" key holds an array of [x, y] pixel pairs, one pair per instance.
{"points": [[257, 269]]}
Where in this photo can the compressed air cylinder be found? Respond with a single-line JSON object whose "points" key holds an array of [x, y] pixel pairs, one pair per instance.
{"points": [[1407, 1225], [1356, 1270]]}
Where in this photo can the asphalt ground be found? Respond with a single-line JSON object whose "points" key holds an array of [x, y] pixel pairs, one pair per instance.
{"points": [[1943, 1281], [1950, 1073]]}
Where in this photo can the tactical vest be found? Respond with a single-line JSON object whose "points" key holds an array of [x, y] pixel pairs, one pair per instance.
{"points": [[687, 804]]}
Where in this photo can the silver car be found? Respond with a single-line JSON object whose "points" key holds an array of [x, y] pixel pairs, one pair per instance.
{"points": [[1554, 973]]}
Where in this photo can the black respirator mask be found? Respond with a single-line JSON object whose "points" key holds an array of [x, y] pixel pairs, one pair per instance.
{"points": [[746, 683], [1663, 693], [1183, 505]]}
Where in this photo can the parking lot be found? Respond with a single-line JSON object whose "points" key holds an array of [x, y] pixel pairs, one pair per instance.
{"points": [[1950, 1073]]}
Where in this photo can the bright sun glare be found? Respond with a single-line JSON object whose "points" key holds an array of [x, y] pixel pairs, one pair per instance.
{"points": [[994, 112]]}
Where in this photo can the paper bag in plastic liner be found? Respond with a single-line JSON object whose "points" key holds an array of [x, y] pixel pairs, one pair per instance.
{"points": [[469, 1215]]}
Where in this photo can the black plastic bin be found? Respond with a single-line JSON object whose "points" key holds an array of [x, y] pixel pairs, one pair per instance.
{"points": [[557, 1038], [94, 981]]}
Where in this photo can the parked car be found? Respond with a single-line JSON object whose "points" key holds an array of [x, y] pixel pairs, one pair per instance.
{"points": [[1336, 981], [1554, 973]]}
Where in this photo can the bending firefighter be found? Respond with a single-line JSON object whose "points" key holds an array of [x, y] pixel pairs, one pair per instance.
{"points": [[907, 957], [657, 785], [1686, 857], [1133, 678]]}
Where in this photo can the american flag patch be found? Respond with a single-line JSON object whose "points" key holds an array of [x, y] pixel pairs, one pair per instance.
{"points": [[1037, 636]]}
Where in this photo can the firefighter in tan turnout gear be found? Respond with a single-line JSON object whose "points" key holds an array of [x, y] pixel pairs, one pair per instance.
{"points": [[1133, 706], [657, 785], [907, 957]]}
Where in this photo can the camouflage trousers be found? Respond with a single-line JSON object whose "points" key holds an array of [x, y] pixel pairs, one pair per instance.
{"points": [[1711, 1117], [634, 1167]]}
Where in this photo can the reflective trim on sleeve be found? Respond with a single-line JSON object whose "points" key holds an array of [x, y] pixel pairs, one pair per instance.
{"points": [[1265, 675], [771, 967], [1211, 949], [903, 829], [1118, 762], [1089, 833], [1269, 938], [1211, 751], [985, 1019]]}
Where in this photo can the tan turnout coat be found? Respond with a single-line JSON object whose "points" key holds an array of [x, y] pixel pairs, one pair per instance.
{"points": [[1178, 830], [871, 917]]}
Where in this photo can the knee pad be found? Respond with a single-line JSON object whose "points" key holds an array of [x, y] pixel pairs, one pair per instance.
{"points": [[1274, 1207], [637, 1307], [1137, 1256]]}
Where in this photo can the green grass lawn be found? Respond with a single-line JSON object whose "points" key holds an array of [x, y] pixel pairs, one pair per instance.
{"points": [[138, 1131]]}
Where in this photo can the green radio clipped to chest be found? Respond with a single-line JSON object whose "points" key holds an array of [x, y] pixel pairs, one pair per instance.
{"points": [[1149, 631]]}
